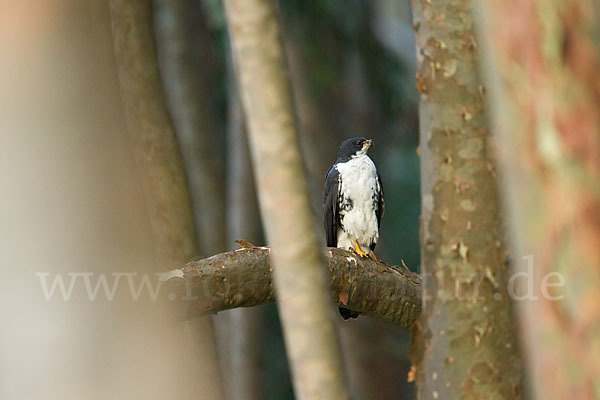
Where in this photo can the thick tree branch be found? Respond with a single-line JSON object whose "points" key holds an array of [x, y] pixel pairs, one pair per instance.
{"points": [[242, 278]]}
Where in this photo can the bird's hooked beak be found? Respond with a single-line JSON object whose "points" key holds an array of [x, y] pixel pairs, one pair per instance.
{"points": [[367, 144]]}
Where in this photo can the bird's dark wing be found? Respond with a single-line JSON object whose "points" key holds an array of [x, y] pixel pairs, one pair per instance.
{"points": [[331, 206], [380, 206]]}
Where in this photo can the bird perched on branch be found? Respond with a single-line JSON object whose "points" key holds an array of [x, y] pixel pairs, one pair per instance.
{"points": [[353, 202]]}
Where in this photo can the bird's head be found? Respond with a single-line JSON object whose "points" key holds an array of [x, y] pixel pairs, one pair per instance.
{"points": [[354, 147]]}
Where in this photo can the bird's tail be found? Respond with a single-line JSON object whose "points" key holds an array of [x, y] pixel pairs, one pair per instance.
{"points": [[347, 314]]}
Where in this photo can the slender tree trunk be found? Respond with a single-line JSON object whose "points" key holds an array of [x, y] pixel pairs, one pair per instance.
{"points": [[188, 70], [543, 61], [159, 163], [245, 324], [187, 65], [245, 346], [375, 358], [469, 342], [304, 299], [153, 141]]}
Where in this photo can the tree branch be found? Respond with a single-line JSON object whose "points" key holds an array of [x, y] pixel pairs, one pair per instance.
{"points": [[242, 278]]}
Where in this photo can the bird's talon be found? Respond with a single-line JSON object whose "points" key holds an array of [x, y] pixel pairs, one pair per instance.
{"points": [[359, 251]]}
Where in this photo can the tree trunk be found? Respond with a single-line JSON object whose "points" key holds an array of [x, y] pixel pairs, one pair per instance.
{"points": [[245, 324], [304, 300], [469, 342], [375, 358], [187, 64], [543, 61], [188, 71], [159, 163]]}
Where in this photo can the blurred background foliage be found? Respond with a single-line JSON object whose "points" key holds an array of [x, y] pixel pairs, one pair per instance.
{"points": [[352, 67]]}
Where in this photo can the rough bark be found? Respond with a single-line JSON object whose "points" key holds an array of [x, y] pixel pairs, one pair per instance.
{"points": [[242, 278], [543, 61], [159, 162], [469, 346], [304, 305]]}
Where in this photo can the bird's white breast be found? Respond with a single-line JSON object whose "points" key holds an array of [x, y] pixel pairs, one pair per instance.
{"points": [[358, 184]]}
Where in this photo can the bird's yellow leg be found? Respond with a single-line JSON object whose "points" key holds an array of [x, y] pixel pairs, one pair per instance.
{"points": [[359, 251]]}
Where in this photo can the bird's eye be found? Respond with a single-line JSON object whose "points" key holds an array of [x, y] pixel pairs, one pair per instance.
{"points": [[359, 142]]}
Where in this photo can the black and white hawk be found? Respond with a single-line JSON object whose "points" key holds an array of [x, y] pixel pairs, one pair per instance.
{"points": [[353, 202]]}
